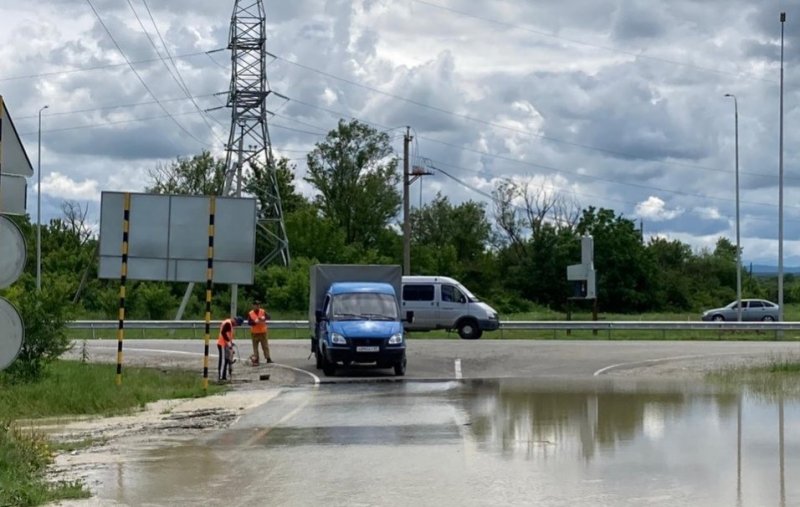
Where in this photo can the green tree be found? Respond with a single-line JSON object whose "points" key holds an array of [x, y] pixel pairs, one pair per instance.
{"points": [[199, 175], [623, 267], [257, 184], [356, 176]]}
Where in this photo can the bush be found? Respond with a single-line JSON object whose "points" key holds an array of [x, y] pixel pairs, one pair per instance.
{"points": [[44, 314]]}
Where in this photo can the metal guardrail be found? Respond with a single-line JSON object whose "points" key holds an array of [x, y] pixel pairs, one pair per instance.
{"points": [[527, 325]]}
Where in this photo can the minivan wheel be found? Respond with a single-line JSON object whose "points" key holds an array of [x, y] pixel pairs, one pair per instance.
{"points": [[768, 318], [468, 330], [718, 318]]}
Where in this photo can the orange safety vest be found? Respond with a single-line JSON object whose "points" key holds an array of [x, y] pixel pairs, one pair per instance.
{"points": [[221, 339], [258, 327]]}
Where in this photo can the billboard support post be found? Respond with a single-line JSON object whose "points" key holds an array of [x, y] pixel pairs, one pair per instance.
{"points": [[126, 215]]}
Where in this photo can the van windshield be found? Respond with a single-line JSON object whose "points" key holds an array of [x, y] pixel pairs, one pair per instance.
{"points": [[364, 305], [472, 298]]}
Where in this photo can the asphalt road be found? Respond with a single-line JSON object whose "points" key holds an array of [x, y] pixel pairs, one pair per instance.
{"points": [[454, 359]]}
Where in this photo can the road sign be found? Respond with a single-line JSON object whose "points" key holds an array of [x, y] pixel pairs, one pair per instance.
{"points": [[168, 238], [12, 252], [13, 159], [12, 333], [13, 194]]}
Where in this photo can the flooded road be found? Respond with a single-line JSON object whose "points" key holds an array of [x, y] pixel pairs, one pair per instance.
{"points": [[506, 442]]}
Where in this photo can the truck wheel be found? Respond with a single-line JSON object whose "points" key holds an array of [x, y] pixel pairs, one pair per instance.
{"points": [[468, 330], [400, 367], [328, 368]]}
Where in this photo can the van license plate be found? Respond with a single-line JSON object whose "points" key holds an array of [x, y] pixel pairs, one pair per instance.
{"points": [[368, 349]]}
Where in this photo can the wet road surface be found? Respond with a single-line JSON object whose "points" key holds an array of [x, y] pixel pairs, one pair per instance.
{"points": [[473, 443], [452, 359]]}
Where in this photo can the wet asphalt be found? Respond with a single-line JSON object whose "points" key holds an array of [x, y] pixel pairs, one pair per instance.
{"points": [[528, 423]]}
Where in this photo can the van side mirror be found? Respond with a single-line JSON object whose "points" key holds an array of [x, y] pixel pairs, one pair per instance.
{"points": [[319, 316], [410, 317]]}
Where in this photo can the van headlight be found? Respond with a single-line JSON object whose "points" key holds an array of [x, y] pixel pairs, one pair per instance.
{"points": [[338, 339], [396, 339]]}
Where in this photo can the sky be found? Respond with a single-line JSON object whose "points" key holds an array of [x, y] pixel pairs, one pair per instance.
{"points": [[611, 103]]}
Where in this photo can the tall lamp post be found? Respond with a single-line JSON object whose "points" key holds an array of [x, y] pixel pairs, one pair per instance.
{"points": [[780, 191], [39, 207], [738, 237]]}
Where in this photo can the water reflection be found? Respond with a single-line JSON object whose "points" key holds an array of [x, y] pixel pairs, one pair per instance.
{"points": [[517, 416], [657, 428]]}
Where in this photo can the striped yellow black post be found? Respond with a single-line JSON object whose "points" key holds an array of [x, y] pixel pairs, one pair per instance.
{"points": [[212, 209], [126, 216]]}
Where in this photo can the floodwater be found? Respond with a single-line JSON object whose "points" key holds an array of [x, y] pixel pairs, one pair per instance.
{"points": [[483, 443]]}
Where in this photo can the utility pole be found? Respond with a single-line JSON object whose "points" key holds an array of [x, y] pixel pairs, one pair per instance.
{"points": [[406, 218]]}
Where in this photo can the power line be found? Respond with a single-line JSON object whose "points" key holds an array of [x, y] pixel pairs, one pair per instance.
{"points": [[98, 67], [141, 80], [107, 123], [636, 54], [551, 168], [485, 122], [177, 78], [116, 106]]}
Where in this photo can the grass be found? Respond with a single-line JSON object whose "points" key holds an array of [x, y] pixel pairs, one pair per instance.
{"points": [[74, 388], [24, 458], [772, 381]]}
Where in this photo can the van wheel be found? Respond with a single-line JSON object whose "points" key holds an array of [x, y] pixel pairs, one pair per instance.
{"points": [[468, 330], [328, 368], [400, 367]]}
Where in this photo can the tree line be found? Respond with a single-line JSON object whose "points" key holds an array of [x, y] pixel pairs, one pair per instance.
{"points": [[512, 252]]}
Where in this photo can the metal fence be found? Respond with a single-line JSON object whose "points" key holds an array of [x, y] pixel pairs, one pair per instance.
{"points": [[301, 326]]}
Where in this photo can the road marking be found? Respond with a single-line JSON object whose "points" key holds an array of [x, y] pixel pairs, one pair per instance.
{"points": [[300, 370], [458, 368], [662, 359], [265, 431], [169, 351]]}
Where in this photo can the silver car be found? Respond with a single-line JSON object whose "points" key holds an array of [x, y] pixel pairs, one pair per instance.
{"points": [[752, 310]]}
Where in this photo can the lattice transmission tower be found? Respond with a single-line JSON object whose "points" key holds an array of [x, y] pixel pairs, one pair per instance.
{"points": [[249, 140]]}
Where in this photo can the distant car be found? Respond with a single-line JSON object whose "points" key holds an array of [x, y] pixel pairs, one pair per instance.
{"points": [[752, 310]]}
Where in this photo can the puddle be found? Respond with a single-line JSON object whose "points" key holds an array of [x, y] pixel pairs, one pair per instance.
{"points": [[483, 443]]}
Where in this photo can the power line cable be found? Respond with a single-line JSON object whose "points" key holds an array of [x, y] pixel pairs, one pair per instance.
{"points": [[139, 77], [176, 75], [98, 67], [487, 123], [555, 169], [636, 54], [103, 108]]}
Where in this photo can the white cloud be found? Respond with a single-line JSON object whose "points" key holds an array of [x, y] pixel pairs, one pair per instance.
{"points": [[708, 213], [59, 185], [655, 209]]}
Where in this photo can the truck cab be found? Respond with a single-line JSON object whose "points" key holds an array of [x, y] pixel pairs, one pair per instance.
{"points": [[359, 322]]}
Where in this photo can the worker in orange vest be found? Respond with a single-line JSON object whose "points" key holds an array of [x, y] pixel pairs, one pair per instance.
{"points": [[225, 346], [257, 318]]}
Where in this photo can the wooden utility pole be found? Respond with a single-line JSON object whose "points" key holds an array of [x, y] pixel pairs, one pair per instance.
{"points": [[406, 219]]}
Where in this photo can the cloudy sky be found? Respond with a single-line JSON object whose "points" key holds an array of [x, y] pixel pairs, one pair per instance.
{"points": [[613, 103]]}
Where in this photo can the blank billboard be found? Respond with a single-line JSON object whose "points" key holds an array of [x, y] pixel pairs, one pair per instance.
{"points": [[168, 238]]}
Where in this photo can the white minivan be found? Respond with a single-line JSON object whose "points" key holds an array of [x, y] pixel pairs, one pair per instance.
{"points": [[439, 302]]}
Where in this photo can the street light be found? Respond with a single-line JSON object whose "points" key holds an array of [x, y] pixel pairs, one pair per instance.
{"points": [[780, 191], [39, 208], [738, 237]]}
